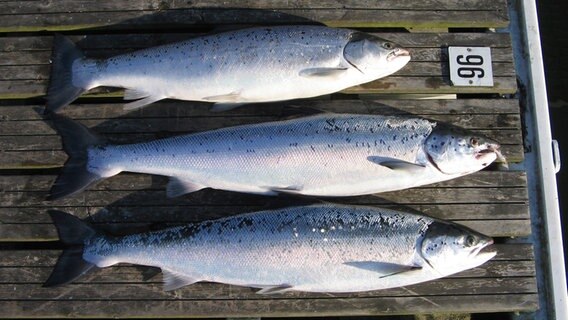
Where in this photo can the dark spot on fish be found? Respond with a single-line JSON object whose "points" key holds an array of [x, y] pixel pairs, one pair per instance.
{"points": [[245, 222]]}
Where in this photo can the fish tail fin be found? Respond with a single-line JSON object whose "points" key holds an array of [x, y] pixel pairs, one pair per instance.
{"points": [[72, 232], [61, 90], [74, 176]]}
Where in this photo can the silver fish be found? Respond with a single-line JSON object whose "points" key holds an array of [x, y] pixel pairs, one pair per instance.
{"points": [[321, 155], [230, 68], [320, 248]]}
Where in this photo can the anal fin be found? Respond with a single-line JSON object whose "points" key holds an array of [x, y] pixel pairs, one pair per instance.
{"points": [[293, 189], [395, 164], [177, 187], [275, 289], [174, 280], [323, 72], [141, 103], [230, 97], [135, 94], [384, 269]]}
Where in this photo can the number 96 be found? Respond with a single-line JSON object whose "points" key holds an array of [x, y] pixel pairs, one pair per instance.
{"points": [[470, 72]]}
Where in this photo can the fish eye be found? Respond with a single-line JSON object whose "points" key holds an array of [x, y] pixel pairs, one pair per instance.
{"points": [[469, 241], [388, 45], [474, 142]]}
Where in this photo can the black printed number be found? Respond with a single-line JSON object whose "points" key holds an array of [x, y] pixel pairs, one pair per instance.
{"points": [[469, 71]]}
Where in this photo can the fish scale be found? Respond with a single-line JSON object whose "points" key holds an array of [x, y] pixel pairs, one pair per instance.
{"points": [[318, 248]]}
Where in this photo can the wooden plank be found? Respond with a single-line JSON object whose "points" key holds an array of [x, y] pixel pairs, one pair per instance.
{"points": [[491, 191], [66, 15], [497, 195], [184, 109], [154, 290], [65, 6], [480, 186], [218, 197], [273, 308], [194, 18], [212, 197]]}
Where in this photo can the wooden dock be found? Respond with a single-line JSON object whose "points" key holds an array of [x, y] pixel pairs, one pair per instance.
{"points": [[492, 201]]}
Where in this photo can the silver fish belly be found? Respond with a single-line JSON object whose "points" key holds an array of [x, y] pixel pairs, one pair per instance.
{"points": [[230, 68], [324, 155], [320, 248]]}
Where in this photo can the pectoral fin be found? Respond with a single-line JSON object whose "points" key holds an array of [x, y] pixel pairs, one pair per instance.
{"points": [[177, 187], [323, 72], [395, 164], [135, 94], [275, 289], [228, 97], [141, 103], [288, 189], [174, 280], [382, 268]]}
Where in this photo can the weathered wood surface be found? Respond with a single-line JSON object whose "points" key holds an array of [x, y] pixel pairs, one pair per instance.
{"points": [[138, 201], [24, 63], [109, 15], [270, 308]]}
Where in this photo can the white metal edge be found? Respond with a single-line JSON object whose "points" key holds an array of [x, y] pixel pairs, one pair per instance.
{"points": [[536, 87]]}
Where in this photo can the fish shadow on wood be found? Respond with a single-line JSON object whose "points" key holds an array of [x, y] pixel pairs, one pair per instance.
{"points": [[164, 18]]}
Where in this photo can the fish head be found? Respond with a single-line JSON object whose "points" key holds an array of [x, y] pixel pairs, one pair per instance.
{"points": [[457, 151], [449, 248], [374, 56]]}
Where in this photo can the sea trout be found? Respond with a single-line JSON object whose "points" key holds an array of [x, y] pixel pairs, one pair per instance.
{"points": [[320, 155], [230, 68], [318, 248]]}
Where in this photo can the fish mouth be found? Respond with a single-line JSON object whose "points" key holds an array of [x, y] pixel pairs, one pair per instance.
{"points": [[398, 53], [489, 151], [484, 252]]}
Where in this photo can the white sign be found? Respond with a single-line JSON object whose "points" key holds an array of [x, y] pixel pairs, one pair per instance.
{"points": [[470, 66]]}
